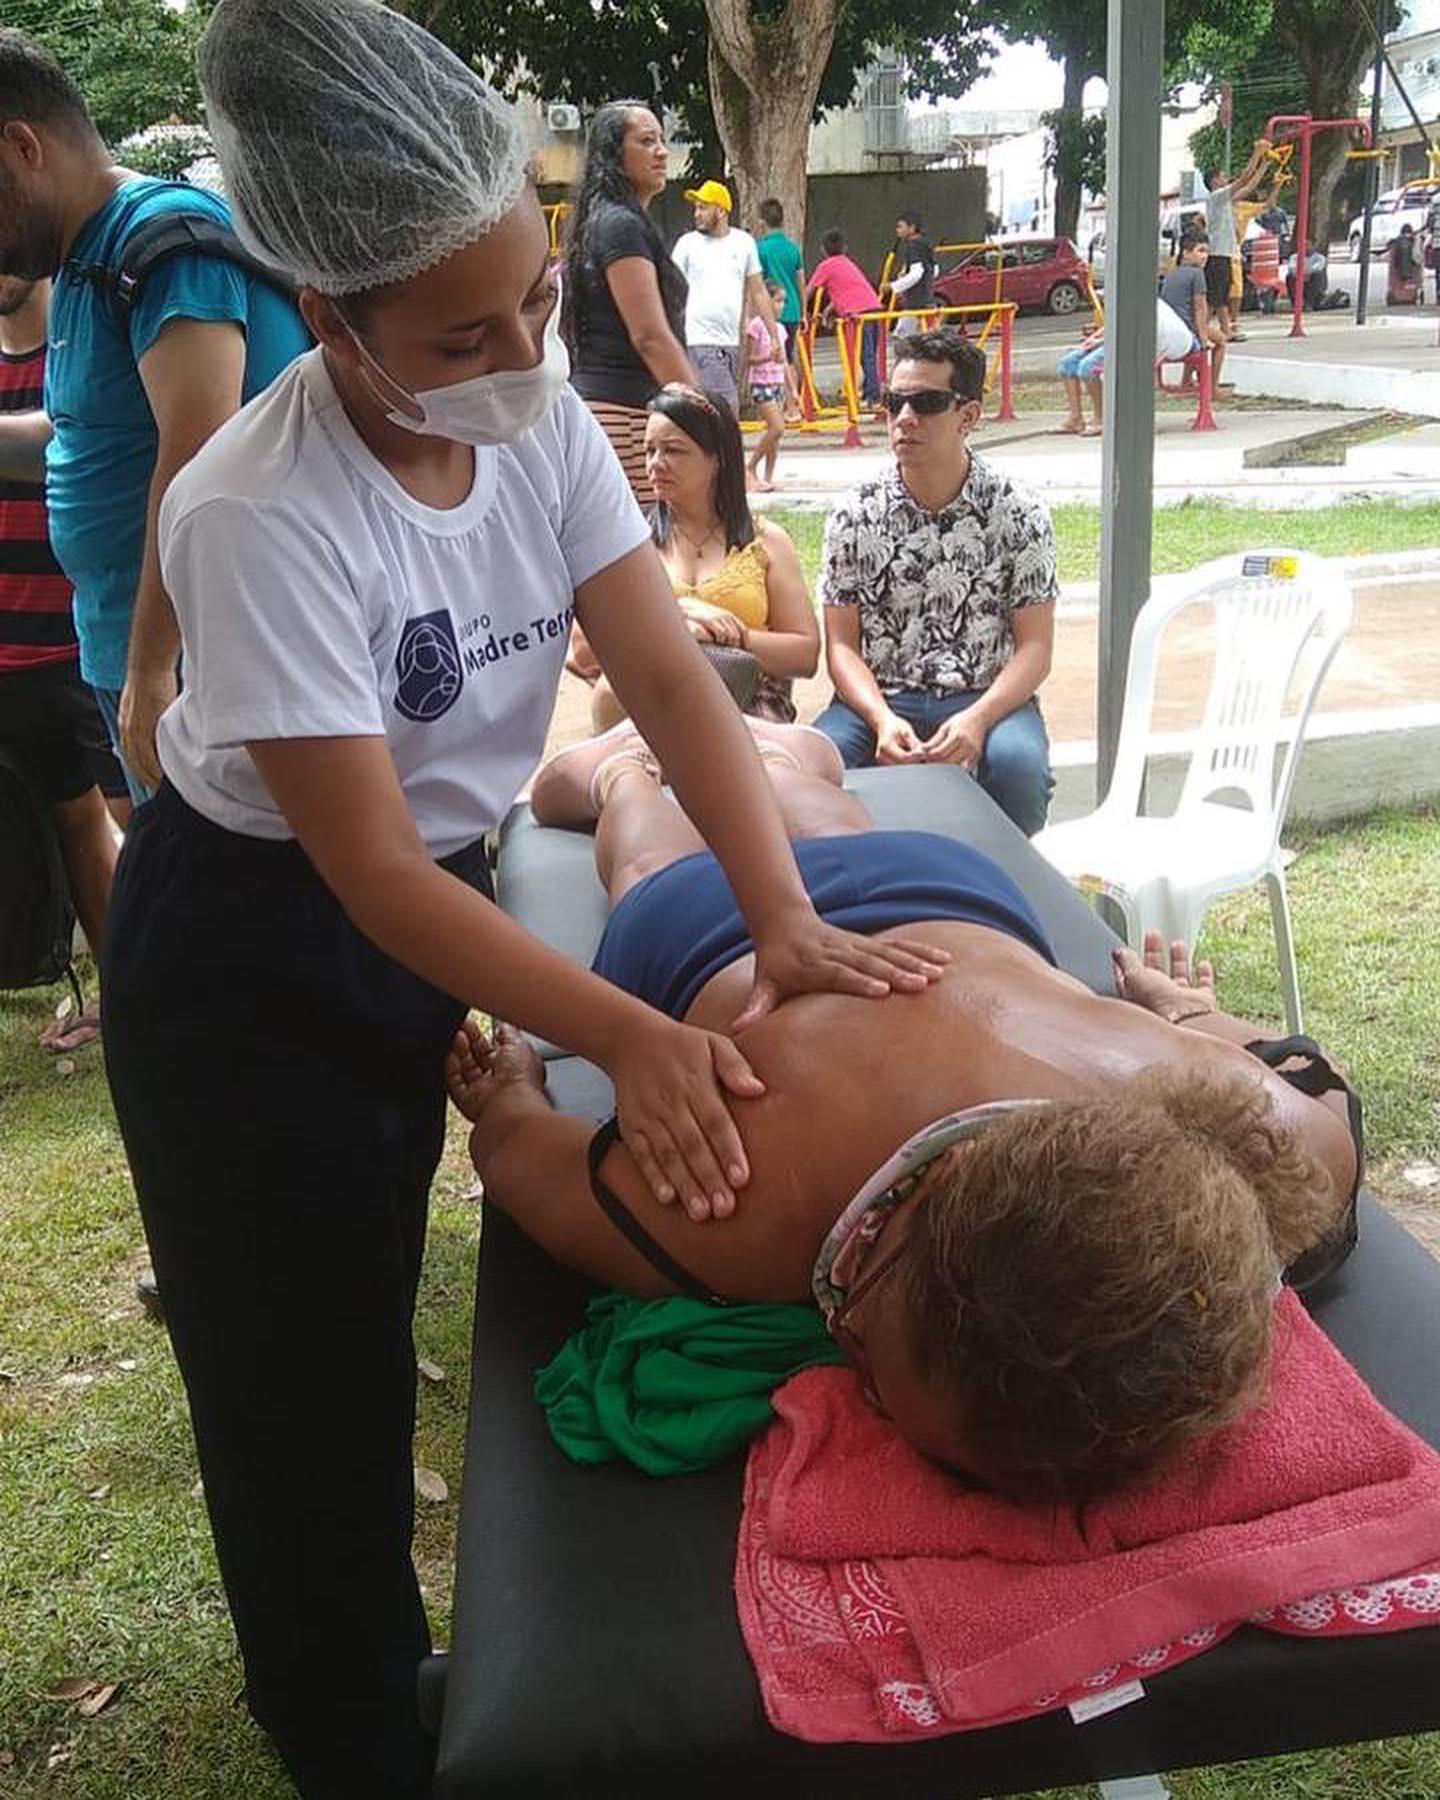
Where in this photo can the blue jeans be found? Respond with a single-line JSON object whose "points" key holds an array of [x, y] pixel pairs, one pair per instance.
{"points": [[1014, 769], [108, 700], [869, 369]]}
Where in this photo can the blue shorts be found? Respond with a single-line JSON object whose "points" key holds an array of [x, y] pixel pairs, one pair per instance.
{"points": [[681, 925], [1084, 365]]}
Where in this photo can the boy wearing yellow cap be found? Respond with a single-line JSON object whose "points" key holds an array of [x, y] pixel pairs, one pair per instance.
{"points": [[722, 266]]}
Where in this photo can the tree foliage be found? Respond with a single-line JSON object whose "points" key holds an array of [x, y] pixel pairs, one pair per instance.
{"points": [[656, 50], [1311, 57], [1076, 146], [1075, 34], [134, 60]]}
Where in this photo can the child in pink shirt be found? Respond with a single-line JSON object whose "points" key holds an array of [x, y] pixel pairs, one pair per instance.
{"points": [[767, 391], [848, 292]]}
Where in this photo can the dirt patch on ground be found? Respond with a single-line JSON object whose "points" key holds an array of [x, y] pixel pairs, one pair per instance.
{"points": [[1409, 1190]]}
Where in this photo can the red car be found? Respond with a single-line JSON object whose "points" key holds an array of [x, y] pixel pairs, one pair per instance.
{"points": [[1046, 272]]}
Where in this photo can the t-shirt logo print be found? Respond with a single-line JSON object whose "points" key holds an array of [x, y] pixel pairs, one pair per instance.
{"points": [[428, 668]]}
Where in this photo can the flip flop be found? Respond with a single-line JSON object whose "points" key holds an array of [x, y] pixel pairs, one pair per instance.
{"points": [[62, 1037]]}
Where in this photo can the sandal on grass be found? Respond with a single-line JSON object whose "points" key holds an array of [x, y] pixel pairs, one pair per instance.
{"points": [[63, 1036]]}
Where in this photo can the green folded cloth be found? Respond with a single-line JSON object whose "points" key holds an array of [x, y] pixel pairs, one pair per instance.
{"points": [[674, 1385]]}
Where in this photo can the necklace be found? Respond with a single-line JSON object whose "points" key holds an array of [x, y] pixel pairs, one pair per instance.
{"points": [[697, 547]]}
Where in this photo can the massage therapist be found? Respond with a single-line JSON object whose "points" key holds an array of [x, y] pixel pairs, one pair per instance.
{"points": [[375, 566]]}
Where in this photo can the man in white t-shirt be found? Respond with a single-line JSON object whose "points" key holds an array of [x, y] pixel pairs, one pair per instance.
{"points": [[722, 266], [1221, 193]]}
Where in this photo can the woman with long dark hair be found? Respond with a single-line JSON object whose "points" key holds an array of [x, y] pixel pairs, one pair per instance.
{"points": [[736, 577], [624, 306]]}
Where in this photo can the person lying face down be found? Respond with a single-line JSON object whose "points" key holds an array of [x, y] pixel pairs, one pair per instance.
{"points": [[1068, 1268]]}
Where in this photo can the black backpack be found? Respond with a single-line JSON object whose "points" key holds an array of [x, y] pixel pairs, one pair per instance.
{"points": [[37, 921], [158, 241]]}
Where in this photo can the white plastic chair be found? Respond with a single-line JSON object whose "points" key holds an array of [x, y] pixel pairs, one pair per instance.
{"points": [[1163, 872]]}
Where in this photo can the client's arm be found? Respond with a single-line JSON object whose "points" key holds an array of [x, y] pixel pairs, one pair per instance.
{"points": [[532, 1160], [1320, 1123]]}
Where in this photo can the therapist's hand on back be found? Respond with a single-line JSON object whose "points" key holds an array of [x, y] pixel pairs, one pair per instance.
{"points": [[671, 1083], [804, 955]]}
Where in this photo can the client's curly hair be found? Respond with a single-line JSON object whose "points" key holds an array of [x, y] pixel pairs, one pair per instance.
{"points": [[1095, 1286]]}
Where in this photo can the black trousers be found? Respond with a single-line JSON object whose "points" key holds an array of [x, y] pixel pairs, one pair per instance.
{"points": [[279, 1087]]}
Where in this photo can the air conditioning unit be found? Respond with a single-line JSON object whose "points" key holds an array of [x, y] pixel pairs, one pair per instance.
{"points": [[561, 116]]}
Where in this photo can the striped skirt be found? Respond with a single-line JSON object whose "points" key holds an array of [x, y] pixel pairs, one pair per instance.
{"points": [[625, 428]]}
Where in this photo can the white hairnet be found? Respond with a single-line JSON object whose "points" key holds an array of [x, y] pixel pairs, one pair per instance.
{"points": [[357, 150]]}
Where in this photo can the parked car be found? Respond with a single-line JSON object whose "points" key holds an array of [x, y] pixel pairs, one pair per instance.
{"points": [[1173, 220], [1044, 272], [1408, 205]]}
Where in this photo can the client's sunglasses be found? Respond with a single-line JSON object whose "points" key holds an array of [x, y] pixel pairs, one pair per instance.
{"points": [[927, 403]]}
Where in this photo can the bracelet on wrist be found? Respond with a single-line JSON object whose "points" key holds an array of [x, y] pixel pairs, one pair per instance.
{"points": [[1195, 1012]]}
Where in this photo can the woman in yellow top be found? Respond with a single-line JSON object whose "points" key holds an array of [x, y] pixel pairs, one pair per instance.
{"points": [[737, 577]]}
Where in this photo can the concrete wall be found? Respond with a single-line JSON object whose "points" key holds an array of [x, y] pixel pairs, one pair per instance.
{"points": [[950, 201]]}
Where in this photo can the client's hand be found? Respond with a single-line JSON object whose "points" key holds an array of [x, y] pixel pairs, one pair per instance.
{"points": [[671, 1082], [478, 1068], [807, 956], [1174, 992]]}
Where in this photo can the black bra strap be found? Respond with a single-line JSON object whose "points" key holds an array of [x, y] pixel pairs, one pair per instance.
{"points": [[630, 1228], [1317, 1077]]}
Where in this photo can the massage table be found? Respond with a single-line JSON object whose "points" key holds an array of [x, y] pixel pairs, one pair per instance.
{"points": [[595, 1647]]}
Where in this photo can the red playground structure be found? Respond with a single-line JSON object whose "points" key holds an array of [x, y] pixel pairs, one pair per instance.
{"points": [[1301, 128]]}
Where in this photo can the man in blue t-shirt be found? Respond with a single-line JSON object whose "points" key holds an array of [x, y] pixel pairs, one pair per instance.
{"points": [[130, 399]]}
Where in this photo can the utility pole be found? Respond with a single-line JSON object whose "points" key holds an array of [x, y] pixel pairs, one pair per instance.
{"points": [[1136, 79], [1372, 179]]}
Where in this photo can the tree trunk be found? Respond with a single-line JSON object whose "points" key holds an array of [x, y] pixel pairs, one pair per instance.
{"points": [[1067, 165], [764, 76], [1332, 63]]}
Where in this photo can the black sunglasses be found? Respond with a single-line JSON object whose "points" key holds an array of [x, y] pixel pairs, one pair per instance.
{"points": [[927, 403]]}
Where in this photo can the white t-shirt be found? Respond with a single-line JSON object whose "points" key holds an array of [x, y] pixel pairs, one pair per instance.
{"points": [[716, 268], [1173, 337], [1220, 220], [316, 598]]}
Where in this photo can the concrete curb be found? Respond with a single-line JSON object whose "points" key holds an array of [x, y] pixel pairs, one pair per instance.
{"points": [[1369, 387], [1350, 764]]}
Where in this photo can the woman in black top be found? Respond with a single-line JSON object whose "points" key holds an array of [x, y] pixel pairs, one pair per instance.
{"points": [[624, 302]]}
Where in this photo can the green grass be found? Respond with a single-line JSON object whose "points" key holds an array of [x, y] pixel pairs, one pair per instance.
{"points": [[1192, 532], [106, 1569]]}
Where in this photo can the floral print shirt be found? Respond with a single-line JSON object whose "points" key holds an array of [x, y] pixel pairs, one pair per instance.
{"points": [[936, 590]]}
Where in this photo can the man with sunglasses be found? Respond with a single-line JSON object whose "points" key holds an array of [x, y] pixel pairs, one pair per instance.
{"points": [[939, 587]]}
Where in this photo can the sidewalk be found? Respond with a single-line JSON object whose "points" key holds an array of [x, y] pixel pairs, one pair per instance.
{"points": [[1392, 362], [1340, 373], [815, 468]]}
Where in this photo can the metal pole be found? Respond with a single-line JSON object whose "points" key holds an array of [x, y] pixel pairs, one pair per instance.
{"points": [[1135, 74], [1372, 183]]}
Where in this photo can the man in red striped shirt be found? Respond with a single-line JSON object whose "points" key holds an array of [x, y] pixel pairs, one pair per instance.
{"points": [[48, 717]]}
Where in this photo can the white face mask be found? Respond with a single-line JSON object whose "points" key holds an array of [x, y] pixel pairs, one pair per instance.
{"points": [[487, 409]]}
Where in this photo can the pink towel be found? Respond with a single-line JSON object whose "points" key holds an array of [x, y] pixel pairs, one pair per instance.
{"points": [[881, 1597]]}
